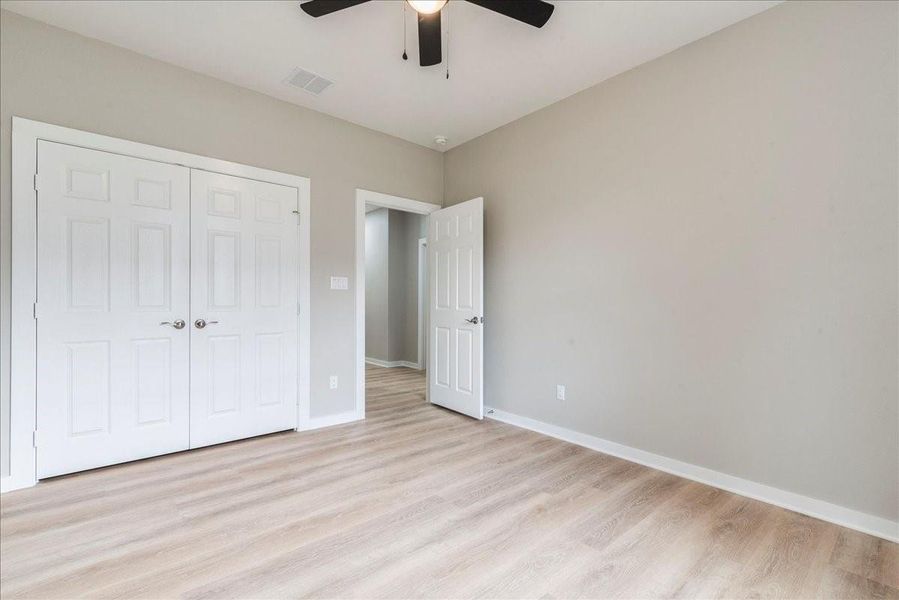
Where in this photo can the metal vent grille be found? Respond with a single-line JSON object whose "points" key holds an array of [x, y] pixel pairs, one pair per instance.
{"points": [[308, 81], [318, 85]]}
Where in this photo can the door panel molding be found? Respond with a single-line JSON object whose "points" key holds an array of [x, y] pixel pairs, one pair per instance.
{"points": [[93, 186]]}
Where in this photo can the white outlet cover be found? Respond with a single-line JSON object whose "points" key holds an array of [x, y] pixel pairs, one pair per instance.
{"points": [[560, 392], [340, 283], [333, 382]]}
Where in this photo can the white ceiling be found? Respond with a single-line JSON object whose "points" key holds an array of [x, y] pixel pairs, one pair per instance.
{"points": [[500, 69]]}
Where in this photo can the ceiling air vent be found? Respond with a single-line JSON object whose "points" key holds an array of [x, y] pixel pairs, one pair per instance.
{"points": [[308, 81]]}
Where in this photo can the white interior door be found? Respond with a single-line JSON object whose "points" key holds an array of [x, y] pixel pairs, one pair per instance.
{"points": [[244, 308], [113, 256], [456, 301]]}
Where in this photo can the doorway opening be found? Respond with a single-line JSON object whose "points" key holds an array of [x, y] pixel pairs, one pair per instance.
{"points": [[391, 301], [392, 273]]}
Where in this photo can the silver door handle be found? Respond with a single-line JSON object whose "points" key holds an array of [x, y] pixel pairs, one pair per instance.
{"points": [[201, 323], [177, 324]]}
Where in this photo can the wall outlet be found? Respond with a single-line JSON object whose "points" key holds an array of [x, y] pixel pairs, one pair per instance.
{"points": [[333, 382], [560, 392], [340, 283]]}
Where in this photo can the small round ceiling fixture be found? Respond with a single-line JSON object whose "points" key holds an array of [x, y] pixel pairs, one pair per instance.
{"points": [[426, 7], [440, 140]]}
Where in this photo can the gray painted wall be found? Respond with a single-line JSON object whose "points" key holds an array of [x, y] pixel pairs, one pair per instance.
{"points": [[704, 250], [405, 229], [391, 284], [377, 284], [59, 77]]}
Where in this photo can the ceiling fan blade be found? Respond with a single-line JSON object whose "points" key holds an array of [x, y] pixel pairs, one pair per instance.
{"points": [[319, 8], [429, 42], [532, 12]]}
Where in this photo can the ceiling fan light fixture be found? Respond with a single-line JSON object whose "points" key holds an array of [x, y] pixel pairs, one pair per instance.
{"points": [[426, 7]]}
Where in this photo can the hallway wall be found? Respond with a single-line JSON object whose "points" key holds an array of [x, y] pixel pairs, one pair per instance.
{"points": [[391, 284]]}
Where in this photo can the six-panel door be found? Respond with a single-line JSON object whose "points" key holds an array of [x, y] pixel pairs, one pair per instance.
{"points": [[456, 301], [244, 287], [113, 263]]}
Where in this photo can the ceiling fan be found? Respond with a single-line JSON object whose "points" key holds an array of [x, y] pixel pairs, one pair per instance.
{"points": [[532, 12]]}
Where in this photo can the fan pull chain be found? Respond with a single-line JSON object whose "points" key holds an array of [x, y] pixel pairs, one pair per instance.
{"points": [[405, 56]]}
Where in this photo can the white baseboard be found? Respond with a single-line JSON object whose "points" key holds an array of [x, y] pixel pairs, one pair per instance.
{"points": [[331, 420], [11, 482], [389, 364], [839, 515]]}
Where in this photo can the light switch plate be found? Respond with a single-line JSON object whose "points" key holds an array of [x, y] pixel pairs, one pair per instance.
{"points": [[340, 283]]}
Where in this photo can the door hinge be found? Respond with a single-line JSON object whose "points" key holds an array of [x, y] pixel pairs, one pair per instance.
{"points": [[34, 310], [298, 309], [34, 438], [35, 182]]}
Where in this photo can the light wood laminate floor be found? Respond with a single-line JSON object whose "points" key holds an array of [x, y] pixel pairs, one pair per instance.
{"points": [[417, 501]]}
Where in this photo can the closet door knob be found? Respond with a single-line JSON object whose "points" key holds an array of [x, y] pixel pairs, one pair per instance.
{"points": [[201, 323]]}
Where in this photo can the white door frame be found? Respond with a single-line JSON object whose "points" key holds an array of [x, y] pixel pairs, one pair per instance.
{"points": [[422, 301], [23, 365], [364, 197]]}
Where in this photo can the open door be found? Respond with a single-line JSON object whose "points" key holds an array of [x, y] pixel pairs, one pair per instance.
{"points": [[456, 303]]}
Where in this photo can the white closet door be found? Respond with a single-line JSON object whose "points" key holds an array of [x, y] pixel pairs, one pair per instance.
{"points": [[456, 300], [113, 263], [244, 286]]}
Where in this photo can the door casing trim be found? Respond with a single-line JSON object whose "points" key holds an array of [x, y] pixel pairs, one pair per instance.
{"points": [[23, 340], [422, 301]]}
